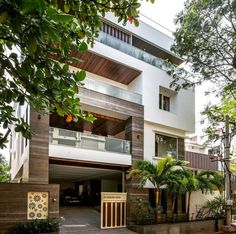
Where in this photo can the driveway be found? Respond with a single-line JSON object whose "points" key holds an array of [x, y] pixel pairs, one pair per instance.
{"points": [[80, 220]]}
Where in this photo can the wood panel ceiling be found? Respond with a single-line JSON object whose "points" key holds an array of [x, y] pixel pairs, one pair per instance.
{"points": [[104, 125], [105, 67]]}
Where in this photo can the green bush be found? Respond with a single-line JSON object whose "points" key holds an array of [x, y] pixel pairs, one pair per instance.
{"points": [[37, 226], [212, 209]]}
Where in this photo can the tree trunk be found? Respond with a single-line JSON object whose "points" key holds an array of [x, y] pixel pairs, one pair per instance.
{"points": [[158, 203], [173, 206], [188, 207]]}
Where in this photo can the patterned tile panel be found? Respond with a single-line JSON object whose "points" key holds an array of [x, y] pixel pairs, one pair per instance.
{"points": [[37, 205]]}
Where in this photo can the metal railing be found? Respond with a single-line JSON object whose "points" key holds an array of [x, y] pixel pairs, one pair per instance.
{"points": [[131, 50], [61, 136], [113, 91]]}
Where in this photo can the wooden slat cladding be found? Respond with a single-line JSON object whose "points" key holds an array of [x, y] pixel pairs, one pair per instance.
{"points": [[13, 202], [38, 153], [116, 105], [181, 148], [134, 133], [105, 67], [200, 161]]}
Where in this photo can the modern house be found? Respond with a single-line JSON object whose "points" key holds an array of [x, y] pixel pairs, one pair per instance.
{"points": [[138, 117]]}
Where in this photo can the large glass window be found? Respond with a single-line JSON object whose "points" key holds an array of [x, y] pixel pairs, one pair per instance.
{"points": [[165, 145]]}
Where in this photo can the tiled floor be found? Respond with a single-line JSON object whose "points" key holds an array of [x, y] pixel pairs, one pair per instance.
{"points": [[85, 220]]}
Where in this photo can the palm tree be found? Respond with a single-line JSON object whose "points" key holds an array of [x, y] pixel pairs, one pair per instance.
{"points": [[161, 174], [179, 187], [204, 181]]}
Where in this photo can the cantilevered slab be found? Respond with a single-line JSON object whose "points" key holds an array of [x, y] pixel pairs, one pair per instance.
{"points": [[105, 67]]}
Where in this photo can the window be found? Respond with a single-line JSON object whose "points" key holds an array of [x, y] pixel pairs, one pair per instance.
{"points": [[202, 121], [164, 102], [165, 145]]}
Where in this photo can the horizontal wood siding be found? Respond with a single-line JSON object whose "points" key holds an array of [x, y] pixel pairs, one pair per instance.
{"points": [[181, 148], [13, 202], [99, 100], [200, 161]]}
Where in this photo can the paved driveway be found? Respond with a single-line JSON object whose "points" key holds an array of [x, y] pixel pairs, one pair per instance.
{"points": [[80, 220]]}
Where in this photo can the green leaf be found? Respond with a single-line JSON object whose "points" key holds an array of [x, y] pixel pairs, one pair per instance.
{"points": [[66, 8], [80, 75], [59, 110], [90, 118], [52, 33], [32, 45], [62, 18], [30, 6], [3, 17], [83, 47]]}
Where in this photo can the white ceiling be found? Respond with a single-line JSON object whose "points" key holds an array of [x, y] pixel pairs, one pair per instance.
{"points": [[64, 173]]}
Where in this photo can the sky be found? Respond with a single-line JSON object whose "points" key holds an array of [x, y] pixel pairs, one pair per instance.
{"points": [[162, 11]]}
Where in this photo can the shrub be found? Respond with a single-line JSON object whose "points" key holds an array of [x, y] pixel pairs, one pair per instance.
{"points": [[212, 209], [37, 226]]}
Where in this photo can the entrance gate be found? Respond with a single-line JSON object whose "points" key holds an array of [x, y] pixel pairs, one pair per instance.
{"points": [[113, 210]]}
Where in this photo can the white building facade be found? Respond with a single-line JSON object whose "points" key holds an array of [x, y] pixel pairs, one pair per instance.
{"points": [[139, 117]]}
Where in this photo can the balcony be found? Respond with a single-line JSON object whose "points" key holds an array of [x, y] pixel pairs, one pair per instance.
{"points": [[113, 91], [132, 51], [88, 147]]}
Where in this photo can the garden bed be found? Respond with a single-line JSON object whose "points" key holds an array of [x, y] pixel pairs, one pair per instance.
{"points": [[191, 227]]}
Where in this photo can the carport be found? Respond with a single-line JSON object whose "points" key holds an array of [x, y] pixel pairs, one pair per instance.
{"points": [[80, 220]]}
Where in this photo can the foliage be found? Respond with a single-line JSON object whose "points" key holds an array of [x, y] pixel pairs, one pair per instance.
{"points": [[33, 35], [37, 226], [188, 182], [176, 178], [141, 210], [212, 209], [209, 181], [216, 115], [159, 174], [166, 173], [206, 40], [4, 170]]}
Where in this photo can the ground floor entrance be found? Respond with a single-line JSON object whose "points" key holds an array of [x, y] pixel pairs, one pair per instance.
{"points": [[81, 187], [82, 219]]}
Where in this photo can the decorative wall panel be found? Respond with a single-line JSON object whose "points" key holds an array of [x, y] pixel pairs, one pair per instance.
{"points": [[37, 205]]}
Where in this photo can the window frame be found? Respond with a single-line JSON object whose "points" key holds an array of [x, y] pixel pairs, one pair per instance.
{"points": [[166, 135], [162, 105]]}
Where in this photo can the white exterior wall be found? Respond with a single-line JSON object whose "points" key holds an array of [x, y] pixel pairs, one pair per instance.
{"points": [[198, 199], [182, 116], [71, 152]]}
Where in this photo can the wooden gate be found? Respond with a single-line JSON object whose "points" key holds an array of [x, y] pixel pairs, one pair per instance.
{"points": [[113, 210]]}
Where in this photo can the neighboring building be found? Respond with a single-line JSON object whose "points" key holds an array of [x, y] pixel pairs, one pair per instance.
{"points": [[138, 117]]}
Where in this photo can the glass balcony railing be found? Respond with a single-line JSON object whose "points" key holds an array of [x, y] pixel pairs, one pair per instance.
{"points": [[61, 136], [131, 50], [111, 90]]}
